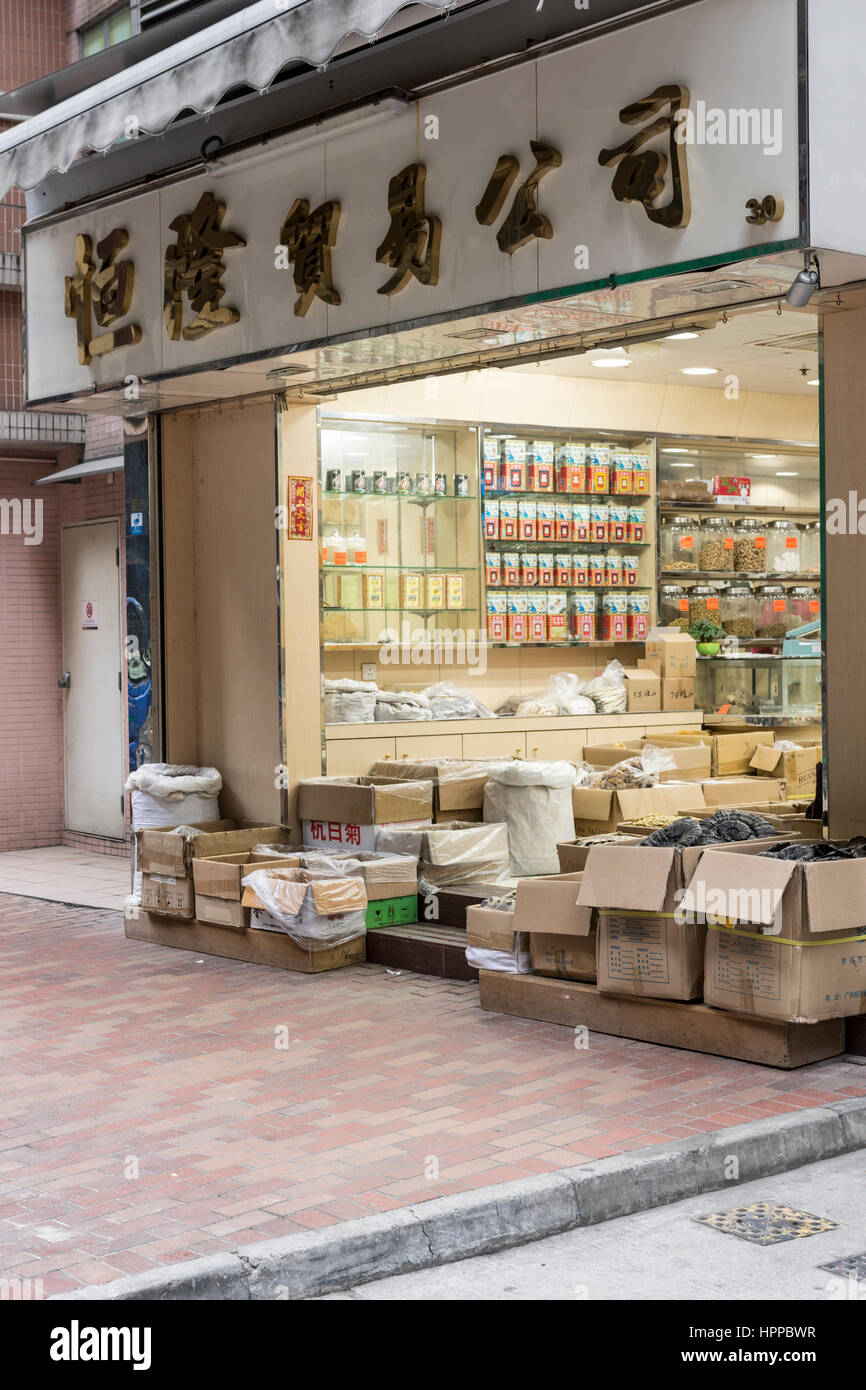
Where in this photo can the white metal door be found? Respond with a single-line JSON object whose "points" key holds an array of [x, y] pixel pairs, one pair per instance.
{"points": [[93, 699]]}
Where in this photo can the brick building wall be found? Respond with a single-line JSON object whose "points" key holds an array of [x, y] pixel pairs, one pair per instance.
{"points": [[38, 37]]}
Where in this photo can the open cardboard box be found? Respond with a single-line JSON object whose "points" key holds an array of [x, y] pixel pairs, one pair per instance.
{"points": [[573, 856], [786, 940], [165, 860], [457, 785], [733, 753], [343, 812], [596, 812], [671, 653], [721, 792], [797, 768], [562, 936], [492, 929], [642, 947]]}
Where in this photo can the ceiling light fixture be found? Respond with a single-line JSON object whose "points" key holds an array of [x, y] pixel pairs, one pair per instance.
{"points": [[699, 371], [787, 475], [611, 362], [680, 465], [763, 456], [680, 337], [816, 381], [672, 450]]}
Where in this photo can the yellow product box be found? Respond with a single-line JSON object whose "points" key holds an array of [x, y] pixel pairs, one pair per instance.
{"points": [[435, 591], [456, 591], [374, 590], [411, 590]]}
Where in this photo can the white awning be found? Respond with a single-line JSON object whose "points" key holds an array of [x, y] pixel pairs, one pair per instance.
{"points": [[248, 49], [88, 469]]}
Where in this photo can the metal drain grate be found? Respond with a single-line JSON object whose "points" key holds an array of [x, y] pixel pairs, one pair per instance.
{"points": [[852, 1267], [767, 1223]]}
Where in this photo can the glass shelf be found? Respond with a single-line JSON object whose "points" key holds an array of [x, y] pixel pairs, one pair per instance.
{"points": [[635, 499], [533, 545], [395, 608], [418, 498], [571, 588], [750, 576], [410, 567]]}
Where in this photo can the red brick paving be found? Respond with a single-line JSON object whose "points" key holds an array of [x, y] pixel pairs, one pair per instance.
{"points": [[123, 1058]]}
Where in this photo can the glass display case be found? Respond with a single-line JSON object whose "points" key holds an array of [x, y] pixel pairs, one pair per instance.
{"points": [[399, 529], [759, 685]]}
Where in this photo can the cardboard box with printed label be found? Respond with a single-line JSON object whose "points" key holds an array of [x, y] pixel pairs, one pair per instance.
{"points": [[785, 940], [732, 753], [678, 692], [562, 936], [671, 652], [344, 812], [167, 895], [642, 689], [796, 767], [457, 785], [597, 812], [643, 946], [745, 792]]}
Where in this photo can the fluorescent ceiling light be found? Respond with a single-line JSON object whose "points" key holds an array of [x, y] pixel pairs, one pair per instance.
{"points": [[787, 475], [763, 456], [611, 362], [675, 451], [816, 381], [680, 337], [699, 371], [680, 465]]}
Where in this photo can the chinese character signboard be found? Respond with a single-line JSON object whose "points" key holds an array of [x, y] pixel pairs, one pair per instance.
{"points": [[561, 171], [302, 501]]}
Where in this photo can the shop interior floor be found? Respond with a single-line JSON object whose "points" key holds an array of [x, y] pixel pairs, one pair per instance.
{"points": [[60, 874], [431, 950]]}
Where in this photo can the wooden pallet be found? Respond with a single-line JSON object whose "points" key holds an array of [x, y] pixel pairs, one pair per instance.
{"points": [[695, 1027], [257, 947]]}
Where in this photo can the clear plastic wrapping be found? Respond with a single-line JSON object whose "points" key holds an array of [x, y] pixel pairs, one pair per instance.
{"points": [[174, 781], [506, 962], [317, 910], [451, 853], [448, 701], [350, 702], [533, 799], [608, 690], [393, 706]]}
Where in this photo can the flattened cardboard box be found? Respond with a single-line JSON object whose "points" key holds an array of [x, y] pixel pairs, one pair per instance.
{"points": [[359, 801], [458, 786], [741, 791], [786, 940], [596, 812], [797, 768], [562, 935], [642, 948], [732, 753]]}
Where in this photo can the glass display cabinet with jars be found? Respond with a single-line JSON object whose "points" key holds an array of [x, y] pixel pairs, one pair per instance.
{"points": [[766, 686], [399, 529]]}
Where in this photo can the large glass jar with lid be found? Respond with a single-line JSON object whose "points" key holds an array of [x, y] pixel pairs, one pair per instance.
{"points": [[716, 544], [773, 616], [750, 546], [674, 606], [703, 603], [679, 543], [804, 604], [737, 610], [783, 550], [810, 548]]}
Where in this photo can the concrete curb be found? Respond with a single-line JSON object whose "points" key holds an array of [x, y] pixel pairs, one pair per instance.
{"points": [[494, 1218]]}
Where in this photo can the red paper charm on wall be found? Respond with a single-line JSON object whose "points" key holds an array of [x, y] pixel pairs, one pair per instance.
{"points": [[300, 509]]}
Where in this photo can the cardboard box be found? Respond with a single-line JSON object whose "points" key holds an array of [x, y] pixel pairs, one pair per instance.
{"points": [[744, 792], [671, 652], [678, 692], [732, 753], [457, 786], [684, 739], [165, 853], [642, 688], [222, 912], [167, 895], [692, 762], [598, 812], [609, 754], [222, 876], [304, 960], [343, 812], [562, 935], [798, 769], [642, 947], [786, 940], [448, 907], [492, 929], [573, 856]]}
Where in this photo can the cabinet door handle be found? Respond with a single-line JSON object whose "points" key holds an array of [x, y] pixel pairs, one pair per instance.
{"points": [[535, 747]]}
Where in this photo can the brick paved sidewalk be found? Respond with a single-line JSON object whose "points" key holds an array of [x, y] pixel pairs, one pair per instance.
{"points": [[147, 1116]]}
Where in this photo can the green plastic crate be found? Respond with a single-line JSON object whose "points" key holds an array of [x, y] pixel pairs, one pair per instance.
{"points": [[392, 912]]}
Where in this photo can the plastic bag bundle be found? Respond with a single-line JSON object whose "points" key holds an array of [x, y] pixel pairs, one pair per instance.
{"points": [[316, 910], [638, 771], [608, 690], [566, 693], [533, 799], [514, 962], [447, 701], [395, 705], [350, 702], [457, 852]]}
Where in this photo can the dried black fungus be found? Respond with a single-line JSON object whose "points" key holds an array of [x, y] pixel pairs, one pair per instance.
{"points": [[725, 827]]}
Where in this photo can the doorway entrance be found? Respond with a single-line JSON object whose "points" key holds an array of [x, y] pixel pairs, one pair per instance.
{"points": [[93, 687]]}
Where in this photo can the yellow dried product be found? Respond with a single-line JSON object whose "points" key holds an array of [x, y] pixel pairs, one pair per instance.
{"points": [[657, 822]]}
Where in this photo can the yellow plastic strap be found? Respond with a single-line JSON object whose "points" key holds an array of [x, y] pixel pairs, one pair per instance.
{"points": [[787, 940]]}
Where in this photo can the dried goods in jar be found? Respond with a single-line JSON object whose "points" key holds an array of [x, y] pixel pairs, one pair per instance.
{"points": [[739, 627]]}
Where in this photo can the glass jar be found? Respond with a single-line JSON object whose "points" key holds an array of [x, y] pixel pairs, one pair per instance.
{"points": [[679, 543], [703, 603], [750, 546], [784, 548], [737, 611], [772, 617], [810, 548], [804, 604], [716, 544], [674, 606]]}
